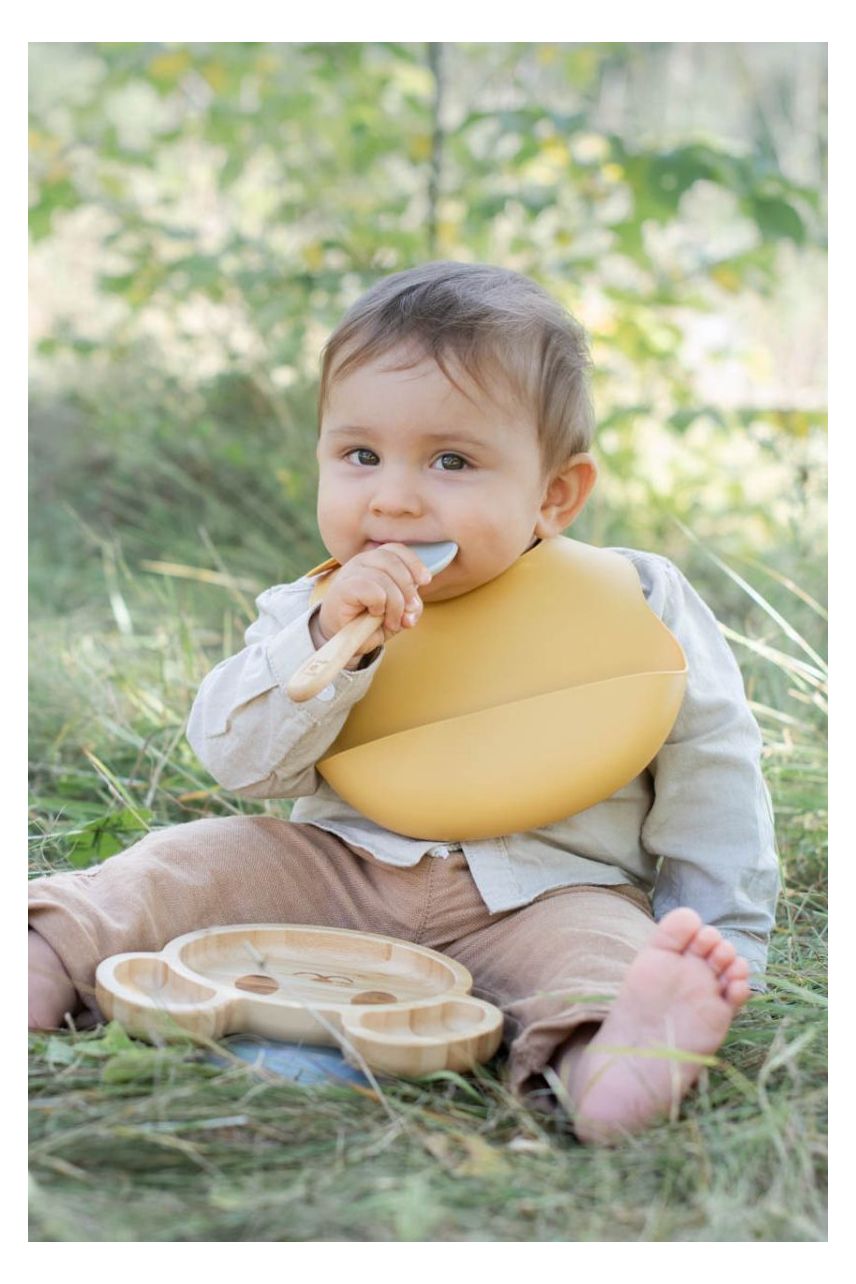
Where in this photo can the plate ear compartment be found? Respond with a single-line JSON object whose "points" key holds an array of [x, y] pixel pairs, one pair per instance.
{"points": [[153, 1000], [453, 1034]]}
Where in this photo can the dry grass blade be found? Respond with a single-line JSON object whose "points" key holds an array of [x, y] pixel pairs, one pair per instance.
{"points": [[115, 787], [229, 579], [759, 598], [177, 570], [799, 670], [789, 584]]}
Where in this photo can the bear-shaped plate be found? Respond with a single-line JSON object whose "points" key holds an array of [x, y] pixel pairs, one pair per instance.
{"points": [[398, 1007]]}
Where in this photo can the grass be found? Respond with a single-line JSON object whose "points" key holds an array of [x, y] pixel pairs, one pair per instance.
{"points": [[173, 1149], [160, 1144]]}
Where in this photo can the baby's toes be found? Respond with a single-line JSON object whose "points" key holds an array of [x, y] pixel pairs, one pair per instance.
{"points": [[736, 970], [735, 973], [705, 940], [735, 992], [722, 955], [676, 930]]}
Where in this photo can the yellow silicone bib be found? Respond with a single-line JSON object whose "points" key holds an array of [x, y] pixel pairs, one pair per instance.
{"points": [[515, 705]]}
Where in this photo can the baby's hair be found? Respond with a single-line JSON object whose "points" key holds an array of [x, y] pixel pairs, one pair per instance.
{"points": [[488, 322]]}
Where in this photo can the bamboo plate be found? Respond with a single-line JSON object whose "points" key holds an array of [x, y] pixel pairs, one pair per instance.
{"points": [[401, 1008]]}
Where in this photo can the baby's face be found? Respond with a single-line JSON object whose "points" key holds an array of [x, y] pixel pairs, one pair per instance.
{"points": [[405, 457]]}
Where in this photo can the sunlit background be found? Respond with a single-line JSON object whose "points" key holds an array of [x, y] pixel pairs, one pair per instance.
{"points": [[201, 214]]}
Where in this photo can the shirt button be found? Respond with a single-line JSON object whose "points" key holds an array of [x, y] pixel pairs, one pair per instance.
{"points": [[440, 851], [327, 693]]}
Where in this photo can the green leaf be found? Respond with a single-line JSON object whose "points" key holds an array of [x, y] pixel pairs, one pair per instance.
{"points": [[70, 808], [131, 1065], [202, 271], [61, 195], [629, 239], [777, 218], [536, 199], [672, 174], [59, 1051], [110, 1043], [117, 284], [104, 837], [680, 420], [233, 167]]}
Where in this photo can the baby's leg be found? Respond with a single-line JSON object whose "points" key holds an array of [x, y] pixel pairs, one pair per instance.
{"points": [[560, 968], [52, 994], [555, 967], [240, 869], [674, 1008]]}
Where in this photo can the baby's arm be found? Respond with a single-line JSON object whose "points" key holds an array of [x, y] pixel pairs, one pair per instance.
{"points": [[711, 821], [252, 738]]}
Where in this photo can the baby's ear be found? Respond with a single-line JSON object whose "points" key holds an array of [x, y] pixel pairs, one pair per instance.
{"points": [[566, 494]]}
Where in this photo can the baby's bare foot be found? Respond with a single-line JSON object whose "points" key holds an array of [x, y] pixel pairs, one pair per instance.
{"points": [[676, 1003], [51, 991]]}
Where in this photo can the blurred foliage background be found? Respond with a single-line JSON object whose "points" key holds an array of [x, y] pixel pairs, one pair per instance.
{"points": [[201, 215]]}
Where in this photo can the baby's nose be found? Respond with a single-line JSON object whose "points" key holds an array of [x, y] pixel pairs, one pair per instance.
{"points": [[390, 500]]}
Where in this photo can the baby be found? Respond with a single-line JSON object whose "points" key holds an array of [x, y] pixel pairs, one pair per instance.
{"points": [[619, 942]]}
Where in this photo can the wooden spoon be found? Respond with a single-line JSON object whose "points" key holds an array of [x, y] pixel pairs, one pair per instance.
{"points": [[330, 659]]}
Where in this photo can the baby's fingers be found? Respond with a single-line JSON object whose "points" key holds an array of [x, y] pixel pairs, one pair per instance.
{"points": [[368, 595], [383, 598], [412, 611]]}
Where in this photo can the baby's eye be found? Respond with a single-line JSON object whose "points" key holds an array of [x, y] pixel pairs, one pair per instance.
{"points": [[456, 468], [360, 450]]}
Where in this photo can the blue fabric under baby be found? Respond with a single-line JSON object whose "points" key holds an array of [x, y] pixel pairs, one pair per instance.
{"points": [[302, 1063]]}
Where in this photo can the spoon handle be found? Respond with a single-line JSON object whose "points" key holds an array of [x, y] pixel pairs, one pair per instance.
{"points": [[330, 659]]}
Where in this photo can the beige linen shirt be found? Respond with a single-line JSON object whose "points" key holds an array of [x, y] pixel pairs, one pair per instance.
{"points": [[695, 828]]}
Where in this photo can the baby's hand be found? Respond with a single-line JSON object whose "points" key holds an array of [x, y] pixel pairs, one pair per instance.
{"points": [[383, 581]]}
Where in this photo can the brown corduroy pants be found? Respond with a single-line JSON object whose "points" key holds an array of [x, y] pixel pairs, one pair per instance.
{"points": [[551, 966]]}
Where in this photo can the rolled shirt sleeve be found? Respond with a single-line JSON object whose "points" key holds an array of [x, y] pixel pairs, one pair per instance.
{"points": [[711, 821], [246, 730]]}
